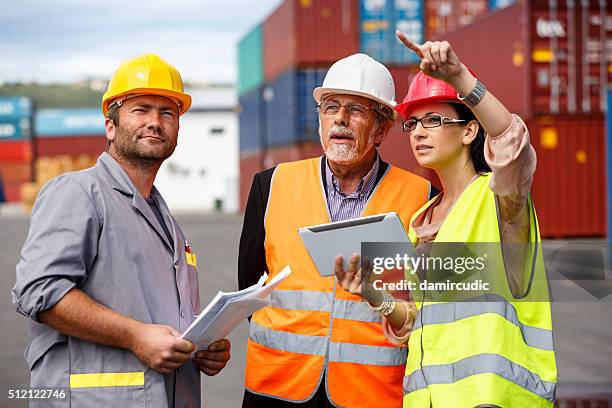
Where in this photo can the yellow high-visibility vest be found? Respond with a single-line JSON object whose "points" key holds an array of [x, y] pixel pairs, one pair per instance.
{"points": [[497, 351]]}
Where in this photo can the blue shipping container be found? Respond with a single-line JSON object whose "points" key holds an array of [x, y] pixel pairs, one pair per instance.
{"points": [[13, 108], [500, 4], [291, 111], [379, 21], [69, 122], [251, 121], [16, 129]]}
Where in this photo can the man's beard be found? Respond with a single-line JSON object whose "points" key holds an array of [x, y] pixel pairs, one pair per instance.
{"points": [[344, 152], [127, 145]]}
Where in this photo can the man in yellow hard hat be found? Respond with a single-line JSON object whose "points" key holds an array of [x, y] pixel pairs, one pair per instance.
{"points": [[106, 274]]}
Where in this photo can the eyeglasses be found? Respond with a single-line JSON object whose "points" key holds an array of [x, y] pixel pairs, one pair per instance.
{"points": [[429, 122], [355, 110]]}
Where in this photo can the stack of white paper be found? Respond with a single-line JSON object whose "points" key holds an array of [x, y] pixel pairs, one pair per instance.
{"points": [[225, 312]]}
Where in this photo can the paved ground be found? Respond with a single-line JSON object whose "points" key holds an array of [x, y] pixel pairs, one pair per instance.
{"points": [[583, 331]]}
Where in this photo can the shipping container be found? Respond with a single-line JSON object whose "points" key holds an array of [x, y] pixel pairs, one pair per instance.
{"points": [[70, 145], [250, 61], [252, 120], [546, 60], [12, 192], [500, 4], [584, 402], [294, 152], [15, 129], [290, 109], [569, 189], [402, 77], [69, 122], [444, 16], [250, 164], [379, 19], [309, 33], [16, 172], [16, 150], [13, 108]]}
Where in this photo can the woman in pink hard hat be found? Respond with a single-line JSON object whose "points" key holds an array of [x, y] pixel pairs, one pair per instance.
{"points": [[496, 350]]}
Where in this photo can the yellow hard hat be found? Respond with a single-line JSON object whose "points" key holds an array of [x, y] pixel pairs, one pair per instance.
{"points": [[146, 75]]}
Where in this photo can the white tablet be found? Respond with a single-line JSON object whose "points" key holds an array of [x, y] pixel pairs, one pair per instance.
{"points": [[326, 241]]}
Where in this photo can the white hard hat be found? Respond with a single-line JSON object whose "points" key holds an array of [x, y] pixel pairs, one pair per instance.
{"points": [[360, 75]]}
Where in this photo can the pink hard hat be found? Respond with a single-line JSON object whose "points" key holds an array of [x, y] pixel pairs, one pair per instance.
{"points": [[424, 89]]}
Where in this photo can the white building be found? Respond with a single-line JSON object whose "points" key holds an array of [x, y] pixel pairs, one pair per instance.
{"points": [[202, 174]]}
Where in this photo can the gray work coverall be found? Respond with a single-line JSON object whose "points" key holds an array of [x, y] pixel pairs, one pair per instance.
{"points": [[94, 231]]}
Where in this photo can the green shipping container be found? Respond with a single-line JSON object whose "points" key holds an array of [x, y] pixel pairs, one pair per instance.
{"points": [[250, 61]]}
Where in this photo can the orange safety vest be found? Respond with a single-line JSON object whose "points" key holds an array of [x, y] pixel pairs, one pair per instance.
{"points": [[315, 326]]}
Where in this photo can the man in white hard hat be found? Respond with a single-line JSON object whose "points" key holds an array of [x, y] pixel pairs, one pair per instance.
{"points": [[320, 346]]}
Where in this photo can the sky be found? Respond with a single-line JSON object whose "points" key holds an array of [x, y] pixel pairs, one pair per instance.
{"points": [[72, 40]]}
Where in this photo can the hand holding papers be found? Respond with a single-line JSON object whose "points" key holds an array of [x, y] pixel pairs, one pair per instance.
{"points": [[227, 310]]}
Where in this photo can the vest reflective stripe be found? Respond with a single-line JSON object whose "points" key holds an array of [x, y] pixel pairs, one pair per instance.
{"points": [[285, 341], [107, 380], [480, 364], [363, 354], [314, 325], [322, 301], [338, 352], [441, 313]]}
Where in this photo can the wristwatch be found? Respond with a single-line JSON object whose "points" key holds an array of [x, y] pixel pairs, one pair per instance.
{"points": [[387, 306], [478, 92]]}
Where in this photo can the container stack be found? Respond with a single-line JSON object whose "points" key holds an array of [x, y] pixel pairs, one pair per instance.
{"points": [[552, 64], [16, 153], [69, 132], [282, 60], [279, 64], [66, 140]]}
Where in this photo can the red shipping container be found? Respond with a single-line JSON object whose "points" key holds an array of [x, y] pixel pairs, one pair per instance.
{"points": [[569, 189], [12, 192], [402, 76], [15, 151], [250, 164], [294, 152], [70, 145], [544, 60], [15, 172], [309, 33], [443, 16], [583, 402]]}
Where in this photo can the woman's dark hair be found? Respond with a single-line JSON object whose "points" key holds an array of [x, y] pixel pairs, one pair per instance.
{"points": [[477, 146]]}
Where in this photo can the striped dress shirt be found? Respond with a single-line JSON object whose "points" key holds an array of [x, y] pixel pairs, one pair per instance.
{"points": [[347, 206]]}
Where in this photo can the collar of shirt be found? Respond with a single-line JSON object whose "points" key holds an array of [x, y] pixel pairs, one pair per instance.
{"points": [[363, 188]]}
